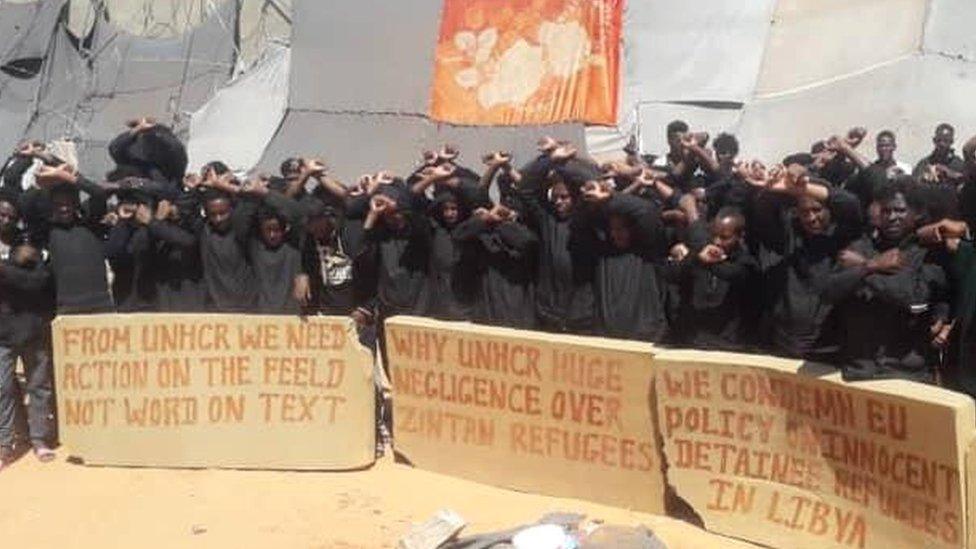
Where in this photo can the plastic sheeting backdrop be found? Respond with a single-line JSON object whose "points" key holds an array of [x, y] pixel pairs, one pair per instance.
{"points": [[781, 73]]}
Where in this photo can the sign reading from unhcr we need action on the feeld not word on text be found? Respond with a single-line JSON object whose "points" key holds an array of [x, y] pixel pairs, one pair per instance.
{"points": [[214, 390]]}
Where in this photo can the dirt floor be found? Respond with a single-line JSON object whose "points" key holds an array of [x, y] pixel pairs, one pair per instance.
{"points": [[63, 505]]}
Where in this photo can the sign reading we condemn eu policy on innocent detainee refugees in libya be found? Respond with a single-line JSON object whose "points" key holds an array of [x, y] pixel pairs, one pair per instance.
{"points": [[214, 390], [789, 460], [550, 414]]}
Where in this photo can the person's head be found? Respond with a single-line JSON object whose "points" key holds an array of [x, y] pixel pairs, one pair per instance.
{"points": [[886, 146], [218, 208], [215, 168], [322, 221], [64, 204], [562, 199], [291, 167], [272, 229], [675, 131], [944, 136], [899, 205], [9, 214], [726, 149], [727, 229], [812, 215], [621, 232], [395, 218], [449, 211], [799, 159]]}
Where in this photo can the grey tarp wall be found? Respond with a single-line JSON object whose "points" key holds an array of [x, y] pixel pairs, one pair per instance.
{"points": [[91, 92], [820, 67], [360, 84], [780, 73], [26, 32]]}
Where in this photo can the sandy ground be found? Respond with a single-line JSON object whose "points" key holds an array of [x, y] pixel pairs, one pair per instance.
{"points": [[62, 505]]}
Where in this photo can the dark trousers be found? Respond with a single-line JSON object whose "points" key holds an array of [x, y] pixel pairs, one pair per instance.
{"points": [[39, 412]]}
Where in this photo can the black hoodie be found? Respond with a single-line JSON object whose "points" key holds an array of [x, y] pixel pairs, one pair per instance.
{"points": [[627, 285], [798, 320], [77, 252], [564, 280]]}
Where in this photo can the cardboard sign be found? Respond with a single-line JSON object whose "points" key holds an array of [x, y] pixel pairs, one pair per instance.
{"points": [[270, 392], [790, 460], [556, 415]]}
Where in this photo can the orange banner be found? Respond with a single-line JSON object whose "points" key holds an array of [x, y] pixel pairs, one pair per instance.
{"points": [[508, 62]]}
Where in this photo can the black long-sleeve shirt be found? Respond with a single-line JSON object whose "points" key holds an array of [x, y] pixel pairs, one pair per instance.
{"points": [[392, 267], [26, 303], [797, 319], [627, 283], [564, 280], [130, 250], [504, 256], [886, 318], [452, 289], [717, 301], [275, 269], [77, 252], [177, 264], [227, 275]]}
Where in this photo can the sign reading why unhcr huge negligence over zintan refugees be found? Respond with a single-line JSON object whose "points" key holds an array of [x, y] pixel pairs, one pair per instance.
{"points": [[555, 415], [214, 390], [791, 460]]}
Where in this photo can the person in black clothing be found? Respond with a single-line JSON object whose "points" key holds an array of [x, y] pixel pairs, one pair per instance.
{"points": [[130, 249], [717, 285], [28, 154], [176, 261], [801, 226], [890, 296], [73, 236], [452, 292], [228, 279], [325, 285], [502, 252], [942, 164], [275, 250], [549, 189], [148, 150], [392, 264], [26, 309], [630, 246], [9, 221]]}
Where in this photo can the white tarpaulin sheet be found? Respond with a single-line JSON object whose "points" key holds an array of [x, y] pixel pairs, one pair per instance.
{"points": [[237, 124], [654, 118], [709, 50], [909, 97], [951, 28], [814, 41]]}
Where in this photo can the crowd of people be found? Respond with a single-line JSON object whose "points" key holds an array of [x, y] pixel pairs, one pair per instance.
{"points": [[825, 256]]}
